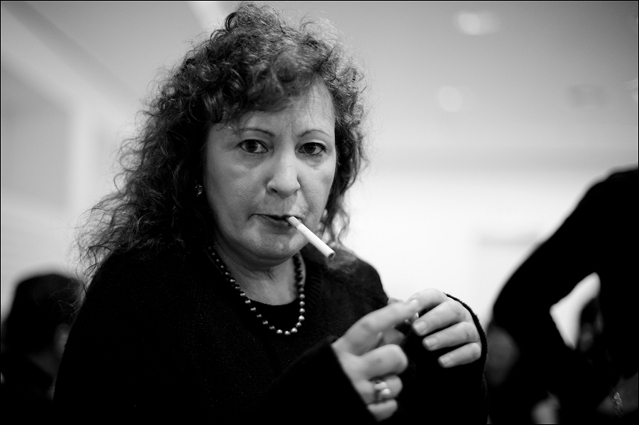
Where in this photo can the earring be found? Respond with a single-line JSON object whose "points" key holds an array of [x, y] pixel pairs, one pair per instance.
{"points": [[199, 190]]}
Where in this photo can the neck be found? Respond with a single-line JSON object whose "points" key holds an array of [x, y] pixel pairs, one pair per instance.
{"points": [[274, 285]]}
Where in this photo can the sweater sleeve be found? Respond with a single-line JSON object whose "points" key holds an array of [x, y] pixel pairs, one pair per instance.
{"points": [[430, 392], [313, 389], [442, 395], [117, 364]]}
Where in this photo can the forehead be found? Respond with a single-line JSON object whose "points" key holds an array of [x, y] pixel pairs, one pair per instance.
{"points": [[314, 107]]}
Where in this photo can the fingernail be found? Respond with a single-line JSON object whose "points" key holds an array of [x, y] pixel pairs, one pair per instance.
{"points": [[419, 327], [430, 342], [445, 360], [414, 303]]}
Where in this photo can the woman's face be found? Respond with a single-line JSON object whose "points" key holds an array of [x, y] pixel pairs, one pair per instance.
{"points": [[268, 166]]}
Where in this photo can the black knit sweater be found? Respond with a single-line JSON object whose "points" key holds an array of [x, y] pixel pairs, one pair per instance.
{"points": [[169, 338]]}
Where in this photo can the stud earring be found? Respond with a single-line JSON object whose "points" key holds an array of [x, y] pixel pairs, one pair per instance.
{"points": [[199, 190]]}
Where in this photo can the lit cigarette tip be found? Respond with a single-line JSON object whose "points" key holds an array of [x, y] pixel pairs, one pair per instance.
{"points": [[311, 237]]}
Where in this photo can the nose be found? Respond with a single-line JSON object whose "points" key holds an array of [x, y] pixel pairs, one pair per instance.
{"points": [[283, 176]]}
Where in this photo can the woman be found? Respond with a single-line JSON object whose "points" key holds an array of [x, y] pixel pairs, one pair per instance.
{"points": [[206, 301]]}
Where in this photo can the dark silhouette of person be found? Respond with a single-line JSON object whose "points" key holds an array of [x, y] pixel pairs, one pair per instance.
{"points": [[33, 338], [599, 236], [511, 386]]}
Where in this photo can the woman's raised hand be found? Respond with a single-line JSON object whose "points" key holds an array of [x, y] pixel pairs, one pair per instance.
{"points": [[373, 368], [371, 358], [447, 323]]}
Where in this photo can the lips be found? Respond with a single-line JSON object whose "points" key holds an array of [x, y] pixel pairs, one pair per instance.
{"points": [[275, 217], [278, 219]]}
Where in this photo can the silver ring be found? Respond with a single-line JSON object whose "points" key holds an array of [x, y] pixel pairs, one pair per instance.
{"points": [[381, 391]]}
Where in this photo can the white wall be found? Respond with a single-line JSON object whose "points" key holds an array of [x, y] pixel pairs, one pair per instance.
{"points": [[462, 231], [59, 129], [489, 120]]}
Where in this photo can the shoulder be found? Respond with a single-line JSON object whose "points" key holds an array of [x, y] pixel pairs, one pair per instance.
{"points": [[619, 186], [135, 281], [624, 178], [146, 266], [140, 262], [611, 201], [346, 267], [133, 299], [355, 267], [350, 274]]}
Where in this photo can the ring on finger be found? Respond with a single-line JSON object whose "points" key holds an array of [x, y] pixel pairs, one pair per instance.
{"points": [[381, 391]]}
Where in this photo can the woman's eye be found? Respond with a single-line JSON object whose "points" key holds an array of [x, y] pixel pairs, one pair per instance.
{"points": [[312, 149], [253, 146]]}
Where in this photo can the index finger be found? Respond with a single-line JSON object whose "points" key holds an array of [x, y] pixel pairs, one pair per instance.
{"points": [[429, 298], [364, 334]]}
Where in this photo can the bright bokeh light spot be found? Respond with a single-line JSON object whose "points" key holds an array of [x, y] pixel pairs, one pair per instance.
{"points": [[469, 23], [477, 23], [450, 99]]}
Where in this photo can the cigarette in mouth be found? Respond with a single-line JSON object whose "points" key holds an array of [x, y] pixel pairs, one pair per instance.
{"points": [[311, 237]]}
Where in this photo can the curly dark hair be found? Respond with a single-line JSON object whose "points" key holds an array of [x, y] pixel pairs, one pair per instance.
{"points": [[256, 62]]}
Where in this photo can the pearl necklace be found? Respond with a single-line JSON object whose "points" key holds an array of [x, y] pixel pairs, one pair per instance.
{"points": [[297, 261]]}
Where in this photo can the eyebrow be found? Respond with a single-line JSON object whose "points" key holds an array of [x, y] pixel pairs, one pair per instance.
{"points": [[269, 133], [304, 133]]}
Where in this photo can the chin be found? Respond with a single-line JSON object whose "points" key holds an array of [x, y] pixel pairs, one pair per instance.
{"points": [[277, 251]]}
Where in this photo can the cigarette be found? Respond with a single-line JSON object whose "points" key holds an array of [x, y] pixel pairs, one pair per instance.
{"points": [[311, 237]]}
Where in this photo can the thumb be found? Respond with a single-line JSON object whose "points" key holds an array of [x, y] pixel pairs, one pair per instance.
{"points": [[364, 335]]}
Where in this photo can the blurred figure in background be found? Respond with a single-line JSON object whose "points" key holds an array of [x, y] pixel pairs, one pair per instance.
{"points": [[591, 344], [590, 341], [600, 236], [33, 338], [513, 392]]}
